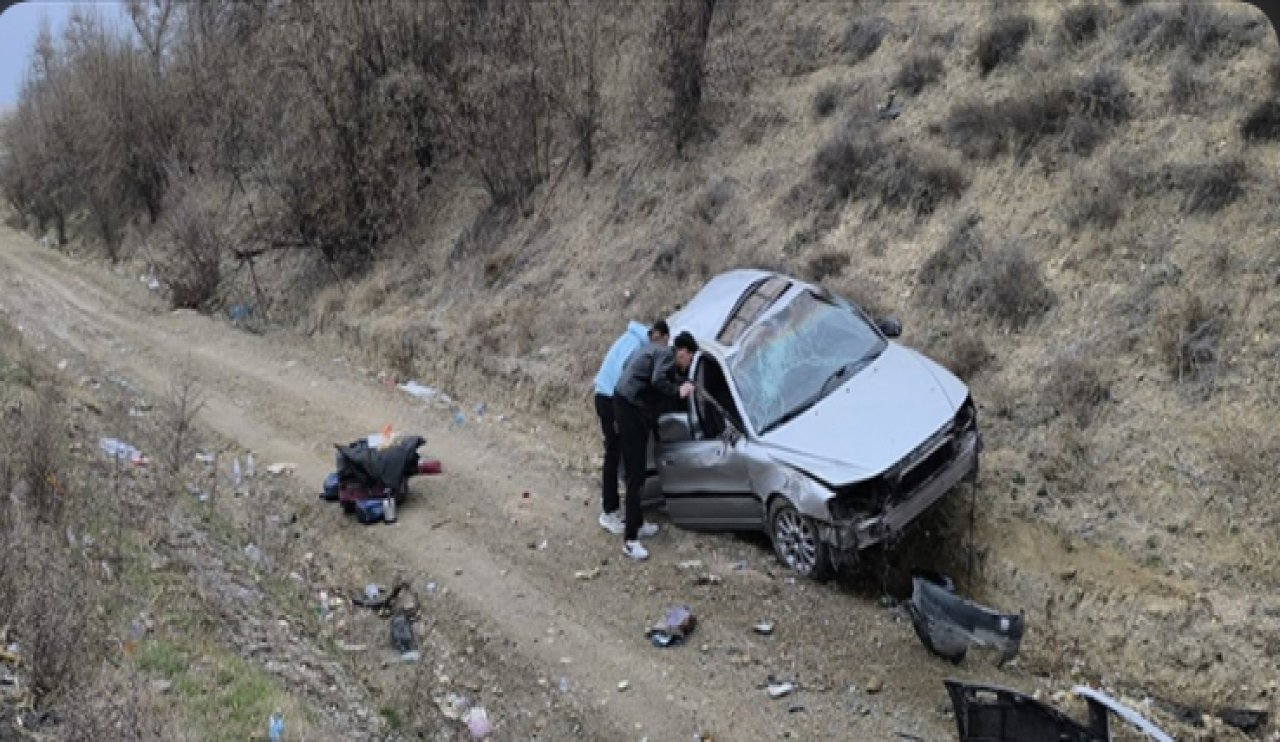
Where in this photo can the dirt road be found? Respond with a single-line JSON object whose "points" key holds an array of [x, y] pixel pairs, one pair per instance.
{"points": [[511, 557]]}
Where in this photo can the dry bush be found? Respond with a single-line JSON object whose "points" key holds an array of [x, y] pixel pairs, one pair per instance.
{"points": [[967, 355], [942, 273], [38, 438], [1262, 124], [679, 42], [1066, 460], [1247, 458], [1001, 43], [1188, 331], [1075, 385], [179, 408], [1081, 23], [712, 199], [858, 162], [918, 72], [827, 99], [1209, 187], [826, 265], [1079, 115], [1187, 85], [1200, 28], [192, 237], [862, 38], [1007, 286], [1097, 201], [1273, 75]]}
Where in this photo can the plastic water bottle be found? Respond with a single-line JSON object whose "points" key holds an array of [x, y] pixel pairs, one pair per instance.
{"points": [[235, 471], [248, 466], [275, 727]]}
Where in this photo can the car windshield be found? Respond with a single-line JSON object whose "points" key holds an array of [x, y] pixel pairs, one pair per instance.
{"points": [[800, 354]]}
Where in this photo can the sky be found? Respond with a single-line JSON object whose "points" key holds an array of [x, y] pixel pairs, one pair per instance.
{"points": [[19, 23]]}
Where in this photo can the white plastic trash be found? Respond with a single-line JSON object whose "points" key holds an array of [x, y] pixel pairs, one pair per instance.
{"points": [[389, 510]]}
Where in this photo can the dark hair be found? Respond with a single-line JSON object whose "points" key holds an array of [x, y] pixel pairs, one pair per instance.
{"points": [[686, 341], [660, 328]]}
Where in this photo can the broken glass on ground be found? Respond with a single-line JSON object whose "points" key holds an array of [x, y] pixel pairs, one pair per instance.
{"points": [[674, 626], [948, 624]]}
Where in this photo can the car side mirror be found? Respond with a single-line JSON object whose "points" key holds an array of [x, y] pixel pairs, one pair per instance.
{"points": [[891, 326], [673, 427]]}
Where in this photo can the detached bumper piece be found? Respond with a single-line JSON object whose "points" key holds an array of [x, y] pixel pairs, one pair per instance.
{"points": [[948, 624], [987, 713]]}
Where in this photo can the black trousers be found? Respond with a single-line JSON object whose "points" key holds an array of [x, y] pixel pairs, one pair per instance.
{"points": [[612, 453], [635, 430]]}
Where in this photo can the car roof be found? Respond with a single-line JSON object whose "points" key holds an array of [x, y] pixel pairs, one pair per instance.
{"points": [[704, 316]]}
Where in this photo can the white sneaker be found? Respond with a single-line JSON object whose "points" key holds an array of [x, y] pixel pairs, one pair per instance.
{"points": [[635, 550], [612, 523], [648, 530]]}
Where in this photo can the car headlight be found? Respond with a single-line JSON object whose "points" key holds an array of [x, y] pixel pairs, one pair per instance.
{"points": [[967, 416], [859, 498]]}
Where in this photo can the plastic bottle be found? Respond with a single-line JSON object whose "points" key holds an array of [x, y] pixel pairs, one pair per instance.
{"points": [[248, 466], [275, 727], [235, 471]]}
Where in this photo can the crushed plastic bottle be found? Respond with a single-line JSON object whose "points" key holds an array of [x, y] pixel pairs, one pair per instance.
{"points": [[235, 471], [248, 466], [275, 727]]}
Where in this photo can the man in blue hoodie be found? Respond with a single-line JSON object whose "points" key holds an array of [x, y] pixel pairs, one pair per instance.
{"points": [[606, 379]]}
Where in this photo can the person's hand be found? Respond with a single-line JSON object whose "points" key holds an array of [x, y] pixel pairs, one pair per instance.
{"points": [[686, 389]]}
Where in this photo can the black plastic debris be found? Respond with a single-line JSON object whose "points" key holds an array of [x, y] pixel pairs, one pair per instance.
{"points": [[1248, 721], [673, 628], [988, 713], [402, 633], [948, 624]]}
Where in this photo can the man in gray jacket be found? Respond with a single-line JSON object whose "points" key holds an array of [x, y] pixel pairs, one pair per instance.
{"points": [[648, 381]]}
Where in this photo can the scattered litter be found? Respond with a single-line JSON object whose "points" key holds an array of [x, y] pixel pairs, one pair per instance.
{"points": [[563, 685], [542, 545], [235, 472], [351, 647], [153, 283], [740, 565], [414, 389], [62, 365], [254, 553], [238, 313], [118, 449], [275, 727], [248, 466], [281, 468], [980, 708], [477, 722], [874, 685], [453, 706], [374, 597], [781, 690], [371, 591], [431, 588], [402, 634], [708, 579], [764, 628], [458, 418], [587, 574], [480, 408], [673, 628], [948, 624], [689, 564], [412, 655], [205, 458], [623, 685]]}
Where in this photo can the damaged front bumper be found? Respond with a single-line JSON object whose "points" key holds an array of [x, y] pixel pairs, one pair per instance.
{"points": [[885, 527]]}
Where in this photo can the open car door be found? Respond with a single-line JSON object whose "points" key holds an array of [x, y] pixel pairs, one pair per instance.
{"points": [[700, 461]]}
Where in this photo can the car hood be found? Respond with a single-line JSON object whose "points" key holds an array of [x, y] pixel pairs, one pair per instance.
{"points": [[872, 420]]}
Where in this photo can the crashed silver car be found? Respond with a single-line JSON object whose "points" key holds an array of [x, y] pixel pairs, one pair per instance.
{"points": [[810, 423]]}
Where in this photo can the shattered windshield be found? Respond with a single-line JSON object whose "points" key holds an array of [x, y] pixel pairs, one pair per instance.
{"points": [[797, 356]]}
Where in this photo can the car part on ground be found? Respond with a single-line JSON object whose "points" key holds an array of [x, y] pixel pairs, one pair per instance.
{"points": [[810, 423], [948, 624], [988, 713]]}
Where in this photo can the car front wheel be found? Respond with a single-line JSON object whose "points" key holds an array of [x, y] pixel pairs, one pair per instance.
{"points": [[796, 541]]}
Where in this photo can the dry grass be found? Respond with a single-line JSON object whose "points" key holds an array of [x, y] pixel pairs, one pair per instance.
{"points": [[1075, 385], [1189, 330], [1262, 124], [966, 354], [1001, 44], [1083, 23], [826, 265], [862, 38], [919, 71]]}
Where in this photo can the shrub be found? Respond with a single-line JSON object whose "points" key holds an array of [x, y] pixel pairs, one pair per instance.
{"points": [[1007, 286], [1001, 43], [1262, 123], [826, 100], [1210, 187], [826, 265], [1099, 203], [964, 245], [1075, 386], [193, 237], [1188, 331], [857, 163], [862, 38], [967, 355], [1081, 23], [917, 72], [1199, 27], [976, 129], [1187, 86], [1103, 97]]}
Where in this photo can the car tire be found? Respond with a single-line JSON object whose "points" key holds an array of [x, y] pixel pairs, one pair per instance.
{"points": [[796, 541]]}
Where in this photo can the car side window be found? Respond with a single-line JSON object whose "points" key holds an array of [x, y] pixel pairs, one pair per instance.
{"points": [[710, 378]]}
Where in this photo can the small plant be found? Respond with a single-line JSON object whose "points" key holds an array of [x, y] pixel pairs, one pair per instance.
{"points": [[1210, 187], [940, 272], [1075, 386], [1188, 331], [826, 265], [1007, 286], [862, 38], [1081, 23], [1263, 123], [1187, 86], [857, 163], [1001, 43], [918, 72], [967, 355], [827, 100]]}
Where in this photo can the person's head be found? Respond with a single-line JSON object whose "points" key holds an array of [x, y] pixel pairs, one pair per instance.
{"points": [[659, 332], [686, 347]]}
